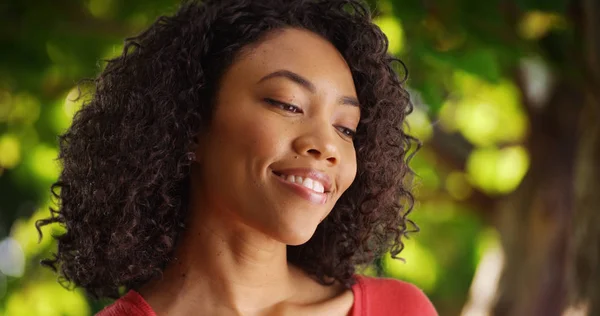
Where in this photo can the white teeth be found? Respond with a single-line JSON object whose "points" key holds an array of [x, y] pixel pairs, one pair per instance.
{"points": [[308, 183], [318, 186], [305, 182]]}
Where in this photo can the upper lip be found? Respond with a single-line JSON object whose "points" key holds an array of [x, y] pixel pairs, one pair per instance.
{"points": [[308, 173]]}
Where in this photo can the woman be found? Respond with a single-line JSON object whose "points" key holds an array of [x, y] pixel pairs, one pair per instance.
{"points": [[241, 158]]}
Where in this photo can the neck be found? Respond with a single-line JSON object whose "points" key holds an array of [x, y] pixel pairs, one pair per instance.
{"points": [[222, 266]]}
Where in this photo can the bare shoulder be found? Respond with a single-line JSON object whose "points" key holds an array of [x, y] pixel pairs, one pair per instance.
{"points": [[388, 294]]}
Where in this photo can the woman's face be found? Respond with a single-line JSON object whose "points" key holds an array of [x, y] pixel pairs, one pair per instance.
{"points": [[279, 152]]}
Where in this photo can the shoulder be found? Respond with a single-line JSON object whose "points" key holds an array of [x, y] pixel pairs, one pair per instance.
{"points": [[131, 304], [379, 295]]}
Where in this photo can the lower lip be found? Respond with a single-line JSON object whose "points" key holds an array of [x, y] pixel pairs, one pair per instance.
{"points": [[304, 192]]}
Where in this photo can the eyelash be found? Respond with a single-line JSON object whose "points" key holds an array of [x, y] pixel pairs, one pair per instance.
{"points": [[284, 106], [350, 133]]}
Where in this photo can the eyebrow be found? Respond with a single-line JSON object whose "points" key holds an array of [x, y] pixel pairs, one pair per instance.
{"points": [[348, 100]]}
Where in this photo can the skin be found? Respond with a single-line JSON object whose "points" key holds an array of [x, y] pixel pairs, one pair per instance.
{"points": [[231, 260]]}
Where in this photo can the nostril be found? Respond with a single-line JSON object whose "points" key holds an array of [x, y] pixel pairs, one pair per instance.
{"points": [[314, 152]]}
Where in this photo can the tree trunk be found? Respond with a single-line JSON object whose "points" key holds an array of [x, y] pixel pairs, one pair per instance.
{"points": [[550, 226], [534, 220], [584, 265]]}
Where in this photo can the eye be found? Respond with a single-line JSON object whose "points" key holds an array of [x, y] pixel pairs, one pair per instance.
{"points": [[350, 133], [284, 106]]}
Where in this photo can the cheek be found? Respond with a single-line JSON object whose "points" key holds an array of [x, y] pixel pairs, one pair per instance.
{"points": [[263, 139], [242, 131], [348, 170], [260, 144], [250, 139]]}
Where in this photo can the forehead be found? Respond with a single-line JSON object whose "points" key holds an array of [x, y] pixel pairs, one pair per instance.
{"points": [[300, 51]]}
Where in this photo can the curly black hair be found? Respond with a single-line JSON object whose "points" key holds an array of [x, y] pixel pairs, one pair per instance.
{"points": [[122, 193]]}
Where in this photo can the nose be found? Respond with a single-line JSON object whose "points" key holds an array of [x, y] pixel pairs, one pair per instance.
{"points": [[318, 142]]}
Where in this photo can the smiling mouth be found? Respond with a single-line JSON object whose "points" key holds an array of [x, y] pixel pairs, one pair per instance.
{"points": [[305, 187], [309, 183]]}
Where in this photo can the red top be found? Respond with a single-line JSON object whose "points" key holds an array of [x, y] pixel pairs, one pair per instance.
{"points": [[372, 297]]}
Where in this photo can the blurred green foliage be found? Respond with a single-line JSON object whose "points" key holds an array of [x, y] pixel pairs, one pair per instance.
{"points": [[461, 54]]}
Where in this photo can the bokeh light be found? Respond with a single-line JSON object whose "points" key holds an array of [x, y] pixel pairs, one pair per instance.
{"points": [[536, 24], [12, 258], [498, 171], [420, 266], [47, 298], [101, 8], [10, 151], [485, 113], [25, 109], [471, 76], [392, 28], [458, 186], [420, 125], [42, 161]]}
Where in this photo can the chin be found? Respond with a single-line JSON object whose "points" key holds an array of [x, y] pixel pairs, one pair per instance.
{"points": [[297, 236]]}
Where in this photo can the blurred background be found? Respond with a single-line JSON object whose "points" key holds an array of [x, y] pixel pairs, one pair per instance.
{"points": [[507, 104]]}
